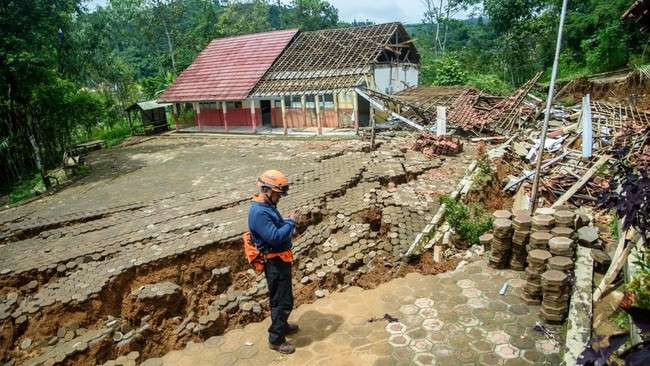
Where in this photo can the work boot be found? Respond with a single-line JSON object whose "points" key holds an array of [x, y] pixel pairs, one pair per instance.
{"points": [[292, 328], [285, 347]]}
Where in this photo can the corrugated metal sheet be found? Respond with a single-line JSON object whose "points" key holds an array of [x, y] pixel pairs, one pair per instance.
{"points": [[228, 68]]}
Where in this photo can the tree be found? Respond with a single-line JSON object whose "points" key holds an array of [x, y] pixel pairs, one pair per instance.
{"points": [[311, 15]]}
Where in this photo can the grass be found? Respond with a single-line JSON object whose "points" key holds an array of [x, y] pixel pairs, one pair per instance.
{"points": [[27, 188], [469, 222]]}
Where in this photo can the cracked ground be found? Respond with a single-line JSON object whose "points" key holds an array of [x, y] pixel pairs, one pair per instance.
{"points": [[144, 255]]}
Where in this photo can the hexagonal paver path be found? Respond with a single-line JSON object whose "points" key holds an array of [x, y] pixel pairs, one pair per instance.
{"points": [[439, 324]]}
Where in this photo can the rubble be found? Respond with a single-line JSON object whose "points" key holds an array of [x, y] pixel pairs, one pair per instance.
{"points": [[431, 145]]}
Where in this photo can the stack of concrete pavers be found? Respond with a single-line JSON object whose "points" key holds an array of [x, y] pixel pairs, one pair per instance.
{"points": [[543, 222], [486, 240], [560, 263], [539, 240], [520, 238], [537, 259], [501, 244], [555, 302], [561, 246]]}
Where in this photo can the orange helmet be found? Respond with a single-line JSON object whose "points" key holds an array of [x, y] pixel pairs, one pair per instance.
{"points": [[274, 180]]}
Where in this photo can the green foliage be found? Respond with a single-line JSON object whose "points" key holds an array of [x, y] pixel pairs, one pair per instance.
{"points": [[607, 48], [490, 83], [469, 222], [613, 228], [640, 284], [621, 319], [27, 188], [443, 71], [112, 134]]}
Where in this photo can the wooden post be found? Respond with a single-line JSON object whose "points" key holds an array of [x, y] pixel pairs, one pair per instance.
{"points": [[284, 115], [320, 128], [355, 112], [253, 119], [197, 110], [304, 110], [335, 97], [175, 115], [372, 124], [224, 109], [441, 121]]}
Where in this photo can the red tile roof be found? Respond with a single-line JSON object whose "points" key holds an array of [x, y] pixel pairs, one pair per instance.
{"points": [[228, 68]]}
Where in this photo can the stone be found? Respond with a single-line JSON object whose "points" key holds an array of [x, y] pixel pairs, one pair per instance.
{"points": [[588, 236], [25, 344], [601, 260]]}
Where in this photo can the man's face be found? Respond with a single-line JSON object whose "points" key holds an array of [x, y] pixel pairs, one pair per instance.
{"points": [[275, 197]]}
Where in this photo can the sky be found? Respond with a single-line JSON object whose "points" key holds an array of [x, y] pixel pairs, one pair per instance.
{"points": [[378, 11]]}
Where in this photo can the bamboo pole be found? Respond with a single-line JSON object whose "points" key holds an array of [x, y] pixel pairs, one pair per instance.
{"points": [[547, 112]]}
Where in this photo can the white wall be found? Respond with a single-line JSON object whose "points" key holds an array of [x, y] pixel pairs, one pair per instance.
{"points": [[390, 79]]}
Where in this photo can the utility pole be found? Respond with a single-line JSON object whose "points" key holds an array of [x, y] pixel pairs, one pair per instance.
{"points": [[547, 112]]}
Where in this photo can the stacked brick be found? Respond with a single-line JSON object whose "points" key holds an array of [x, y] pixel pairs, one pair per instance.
{"points": [[431, 145]]}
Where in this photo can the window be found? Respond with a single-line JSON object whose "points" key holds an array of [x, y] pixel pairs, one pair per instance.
{"points": [[327, 100], [233, 105], [310, 101]]}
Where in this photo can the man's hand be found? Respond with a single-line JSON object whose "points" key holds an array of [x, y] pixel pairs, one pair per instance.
{"points": [[293, 215]]}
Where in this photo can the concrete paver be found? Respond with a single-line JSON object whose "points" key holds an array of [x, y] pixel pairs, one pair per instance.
{"points": [[438, 325]]}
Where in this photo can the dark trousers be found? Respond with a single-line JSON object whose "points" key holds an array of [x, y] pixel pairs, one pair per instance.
{"points": [[278, 279]]}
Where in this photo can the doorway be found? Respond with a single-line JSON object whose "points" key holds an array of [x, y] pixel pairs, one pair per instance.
{"points": [[265, 109]]}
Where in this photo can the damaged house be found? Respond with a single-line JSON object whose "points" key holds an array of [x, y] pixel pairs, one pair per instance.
{"points": [[294, 79]]}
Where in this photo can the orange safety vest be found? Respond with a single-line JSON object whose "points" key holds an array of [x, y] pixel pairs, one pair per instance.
{"points": [[256, 259], [253, 255]]}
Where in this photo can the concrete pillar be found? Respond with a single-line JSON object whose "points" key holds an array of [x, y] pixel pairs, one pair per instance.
{"points": [[318, 122], [335, 97], [225, 112], [197, 110], [175, 115], [304, 110], [441, 121], [587, 129], [253, 119], [284, 115], [355, 112]]}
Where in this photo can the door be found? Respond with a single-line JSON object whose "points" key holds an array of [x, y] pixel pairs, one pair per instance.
{"points": [[265, 109]]}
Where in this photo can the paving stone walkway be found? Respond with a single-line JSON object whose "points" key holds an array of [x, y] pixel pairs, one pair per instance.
{"points": [[454, 318]]}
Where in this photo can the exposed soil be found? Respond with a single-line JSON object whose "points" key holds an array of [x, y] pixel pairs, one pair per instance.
{"points": [[618, 88]]}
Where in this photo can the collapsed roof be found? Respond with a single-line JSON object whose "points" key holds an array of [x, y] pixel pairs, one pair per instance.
{"points": [[336, 59]]}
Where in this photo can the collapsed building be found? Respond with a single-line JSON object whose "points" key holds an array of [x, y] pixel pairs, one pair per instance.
{"points": [[294, 79]]}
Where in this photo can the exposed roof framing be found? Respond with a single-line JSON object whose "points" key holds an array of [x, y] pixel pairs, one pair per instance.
{"points": [[335, 59]]}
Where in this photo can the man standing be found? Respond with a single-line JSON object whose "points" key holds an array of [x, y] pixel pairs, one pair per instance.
{"points": [[272, 237]]}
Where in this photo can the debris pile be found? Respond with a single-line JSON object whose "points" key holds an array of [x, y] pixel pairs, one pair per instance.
{"points": [[431, 145]]}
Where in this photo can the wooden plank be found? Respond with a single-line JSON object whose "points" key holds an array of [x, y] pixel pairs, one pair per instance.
{"points": [[582, 181]]}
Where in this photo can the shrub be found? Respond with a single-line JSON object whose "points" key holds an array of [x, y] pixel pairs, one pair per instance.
{"points": [[640, 284], [469, 222]]}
